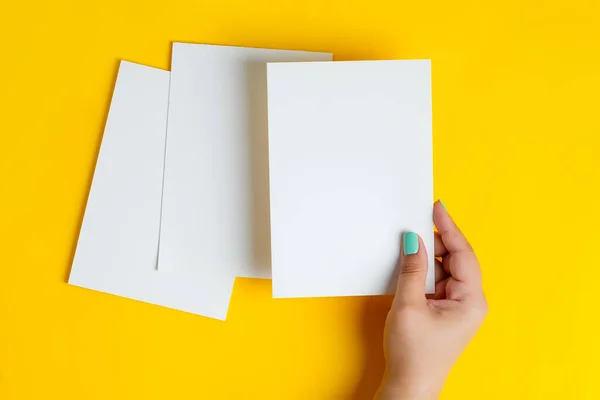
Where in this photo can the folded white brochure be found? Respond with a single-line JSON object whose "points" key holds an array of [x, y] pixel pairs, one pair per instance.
{"points": [[118, 243], [215, 213]]}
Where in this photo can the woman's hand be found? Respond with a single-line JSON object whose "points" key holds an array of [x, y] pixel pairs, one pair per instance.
{"points": [[425, 336]]}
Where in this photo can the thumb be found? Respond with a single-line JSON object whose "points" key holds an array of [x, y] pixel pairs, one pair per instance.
{"points": [[412, 270]]}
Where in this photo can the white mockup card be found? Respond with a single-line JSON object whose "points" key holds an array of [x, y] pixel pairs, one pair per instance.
{"points": [[350, 161], [118, 243], [215, 212]]}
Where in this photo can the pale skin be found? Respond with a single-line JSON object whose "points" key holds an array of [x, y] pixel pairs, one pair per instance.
{"points": [[425, 335]]}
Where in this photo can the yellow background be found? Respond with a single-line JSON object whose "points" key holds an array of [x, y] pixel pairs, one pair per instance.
{"points": [[517, 162]]}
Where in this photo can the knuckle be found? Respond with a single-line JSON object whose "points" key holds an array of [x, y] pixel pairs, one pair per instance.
{"points": [[411, 267], [476, 307], [469, 246], [484, 307], [458, 237], [481, 308]]}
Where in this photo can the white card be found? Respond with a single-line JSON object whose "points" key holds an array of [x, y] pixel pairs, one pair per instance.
{"points": [[215, 213], [118, 243], [350, 155]]}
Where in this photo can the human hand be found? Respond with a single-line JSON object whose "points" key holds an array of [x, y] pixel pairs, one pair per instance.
{"points": [[424, 336]]}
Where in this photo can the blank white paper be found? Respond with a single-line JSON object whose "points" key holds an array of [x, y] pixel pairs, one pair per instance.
{"points": [[215, 213], [118, 243], [350, 155]]}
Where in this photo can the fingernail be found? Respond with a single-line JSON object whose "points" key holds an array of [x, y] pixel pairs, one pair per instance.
{"points": [[411, 243], [442, 203]]}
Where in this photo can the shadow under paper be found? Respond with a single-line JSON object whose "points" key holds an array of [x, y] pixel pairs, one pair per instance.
{"points": [[258, 166]]}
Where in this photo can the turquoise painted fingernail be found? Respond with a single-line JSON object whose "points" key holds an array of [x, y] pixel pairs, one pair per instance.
{"points": [[411, 243], [442, 203]]}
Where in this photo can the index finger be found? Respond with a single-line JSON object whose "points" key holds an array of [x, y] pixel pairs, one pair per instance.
{"points": [[462, 262]]}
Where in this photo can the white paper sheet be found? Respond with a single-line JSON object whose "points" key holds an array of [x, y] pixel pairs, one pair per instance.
{"points": [[215, 213], [350, 151], [118, 243]]}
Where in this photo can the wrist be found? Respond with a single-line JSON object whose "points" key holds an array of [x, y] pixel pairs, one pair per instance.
{"points": [[398, 388]]}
